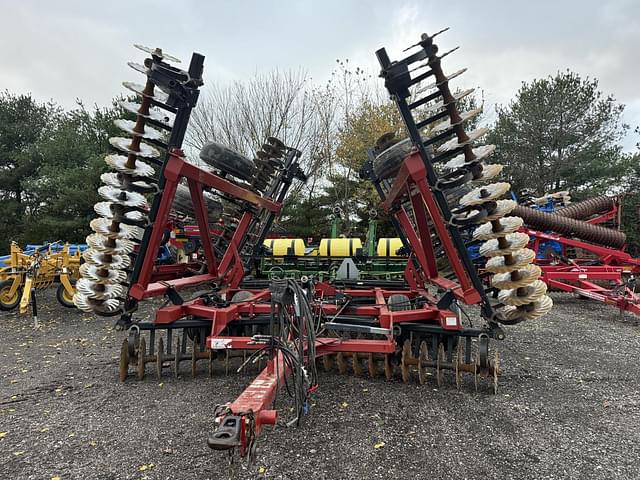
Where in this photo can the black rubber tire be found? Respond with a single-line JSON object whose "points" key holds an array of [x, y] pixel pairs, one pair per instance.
{"points": [[214, 208], [191, 246], [61, 297], [173, 255], [182, 200], [398, 303], [6, 284], [182, 203], [388, 162], [241, 296], [227, 160], [166, 236]]}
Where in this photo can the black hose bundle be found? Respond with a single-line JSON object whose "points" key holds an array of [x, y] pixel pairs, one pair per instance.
{"points": [[297, 326]]}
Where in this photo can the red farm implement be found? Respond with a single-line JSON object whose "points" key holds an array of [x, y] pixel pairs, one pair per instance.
{"points": [[288, 326], [590, 261]]}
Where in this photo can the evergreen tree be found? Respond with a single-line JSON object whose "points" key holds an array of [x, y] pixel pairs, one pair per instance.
{"points": [[561, 133], [23, 123]]}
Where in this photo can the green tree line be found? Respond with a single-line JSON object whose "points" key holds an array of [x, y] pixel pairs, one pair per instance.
{"points": [[557, 133], [50, 166]]}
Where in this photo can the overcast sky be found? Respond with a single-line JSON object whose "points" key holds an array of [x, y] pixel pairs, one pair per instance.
{"points": [[63, 50]]}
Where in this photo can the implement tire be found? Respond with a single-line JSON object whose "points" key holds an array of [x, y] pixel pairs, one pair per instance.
{"points": [[63, 297], [227, 160], [8, 303]]}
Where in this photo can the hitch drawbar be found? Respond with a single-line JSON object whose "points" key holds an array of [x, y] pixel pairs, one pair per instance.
{"points": [[240, 430], [227, 436]]}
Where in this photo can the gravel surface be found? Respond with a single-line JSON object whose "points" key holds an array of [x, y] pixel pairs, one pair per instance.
{"points": [[568, 407]]}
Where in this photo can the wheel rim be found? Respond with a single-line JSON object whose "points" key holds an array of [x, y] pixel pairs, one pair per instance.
{"points": [[67, 298], [6, 297]]}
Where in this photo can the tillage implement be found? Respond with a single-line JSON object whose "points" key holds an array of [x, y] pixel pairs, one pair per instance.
{"points": [[433, 183], [37, 267], [581, 250]]}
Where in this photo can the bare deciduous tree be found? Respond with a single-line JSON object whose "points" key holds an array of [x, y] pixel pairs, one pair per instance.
{"points": [[287, 106], [279, 104]]}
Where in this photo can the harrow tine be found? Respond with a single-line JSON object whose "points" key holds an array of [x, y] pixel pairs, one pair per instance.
{"points": [[476, 372], [327, 362], [159, 358], [212, 357], [422, 359], [342, 364], [388, 367], [439, 365], [371, 363], [124, 360], [357, 366], [405, 360], [459, 363], [142, 349], [200, 353], [195, 349], [496, 372], [176, 358]]}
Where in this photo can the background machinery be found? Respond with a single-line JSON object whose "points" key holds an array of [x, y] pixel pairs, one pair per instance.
{"points": [[336, 257], [284, 326], [38, 267], [580, 250]]}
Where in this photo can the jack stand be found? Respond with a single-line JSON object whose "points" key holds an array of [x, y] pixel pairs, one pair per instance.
{"points": [[34, 309]]}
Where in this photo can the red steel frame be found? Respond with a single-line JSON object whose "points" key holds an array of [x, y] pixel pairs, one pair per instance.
{"points": [[180, 234], [162, 272], [228, 272], [579, 280], [259, 395], [411, 179], [229, 269]]}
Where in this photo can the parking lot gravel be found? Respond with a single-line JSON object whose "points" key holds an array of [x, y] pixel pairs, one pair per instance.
{"points": [[568, 406]]}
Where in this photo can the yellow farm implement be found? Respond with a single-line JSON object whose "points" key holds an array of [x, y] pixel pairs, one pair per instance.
{"points": [[39, 268]]}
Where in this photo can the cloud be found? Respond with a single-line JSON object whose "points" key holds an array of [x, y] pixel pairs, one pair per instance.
{"points": [[77, 49]]}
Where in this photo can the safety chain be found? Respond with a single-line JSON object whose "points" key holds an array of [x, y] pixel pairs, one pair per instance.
{"points": [[250, 431]]}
